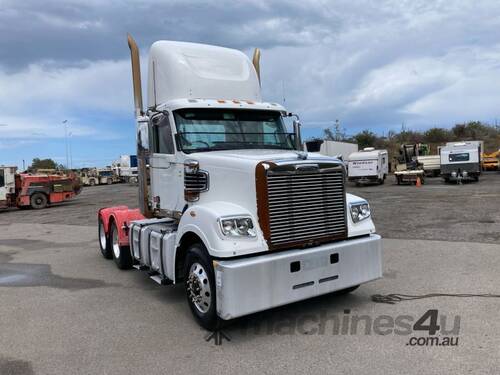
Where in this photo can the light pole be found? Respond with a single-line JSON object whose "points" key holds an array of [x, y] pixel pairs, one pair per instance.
{"points": [[65, 123], [70, 152]]}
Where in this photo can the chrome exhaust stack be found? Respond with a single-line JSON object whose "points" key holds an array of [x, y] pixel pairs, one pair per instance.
{"points": [[136, 75], [256, 62], [142, 126]]}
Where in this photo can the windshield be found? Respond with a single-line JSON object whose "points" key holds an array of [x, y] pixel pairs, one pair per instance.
{"points": [[228, 129]]}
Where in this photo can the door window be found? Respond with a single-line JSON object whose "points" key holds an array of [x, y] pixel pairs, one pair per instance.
{"points": [[2, 178], [163, 142]]}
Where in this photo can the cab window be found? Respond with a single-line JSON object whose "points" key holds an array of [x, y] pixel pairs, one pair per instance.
{"points": [[162, 142]]}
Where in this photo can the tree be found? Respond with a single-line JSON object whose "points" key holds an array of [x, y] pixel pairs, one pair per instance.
{"points": [[336, 133], [365, 139], [437, 135], [38, 163]]}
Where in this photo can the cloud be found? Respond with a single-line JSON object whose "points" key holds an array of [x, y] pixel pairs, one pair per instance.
{"points": [[369, 64]]}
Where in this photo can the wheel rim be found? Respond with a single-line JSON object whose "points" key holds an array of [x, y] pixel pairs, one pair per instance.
{"points": [[116, 245], [102, 236], [198, 288]]}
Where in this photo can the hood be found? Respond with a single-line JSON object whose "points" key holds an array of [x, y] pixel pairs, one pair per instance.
{"points": [[253, 157]]}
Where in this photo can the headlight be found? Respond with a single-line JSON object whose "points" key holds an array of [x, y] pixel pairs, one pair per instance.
{"points": [[237, 227], [360, 211]]}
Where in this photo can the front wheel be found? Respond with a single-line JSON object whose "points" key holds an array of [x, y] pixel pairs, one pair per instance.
{"points": [[121, 254], [200, 286]]}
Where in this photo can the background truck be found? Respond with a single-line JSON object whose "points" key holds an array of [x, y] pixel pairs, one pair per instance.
{"points": [[235, 209], [98, 176], [341, 150], [35, 190], [491, 161], [126, 168], [461, 161], [368, 165]]}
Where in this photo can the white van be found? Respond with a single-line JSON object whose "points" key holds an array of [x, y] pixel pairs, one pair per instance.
{"points": [[368, 165]]}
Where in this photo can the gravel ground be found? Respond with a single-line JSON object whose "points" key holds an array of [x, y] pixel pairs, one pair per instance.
{"points": [[66, 310]]}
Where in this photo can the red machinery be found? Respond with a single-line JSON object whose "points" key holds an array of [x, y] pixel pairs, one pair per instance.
{"points": [[35, 190]]}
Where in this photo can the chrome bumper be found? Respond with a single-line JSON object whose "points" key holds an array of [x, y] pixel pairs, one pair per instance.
{"points": [[245, 286]]}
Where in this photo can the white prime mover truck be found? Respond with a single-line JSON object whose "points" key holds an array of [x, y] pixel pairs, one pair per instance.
{"points": [[368, 165], [235, 209]]}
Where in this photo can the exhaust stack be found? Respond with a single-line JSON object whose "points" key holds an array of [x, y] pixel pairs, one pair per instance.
{"points": [[136, 75], [142, 152], [256, 61]]}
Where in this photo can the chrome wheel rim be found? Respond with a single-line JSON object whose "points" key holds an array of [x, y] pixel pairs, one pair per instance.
{"points": [[198, 288], [102, 236], [116, 245]]}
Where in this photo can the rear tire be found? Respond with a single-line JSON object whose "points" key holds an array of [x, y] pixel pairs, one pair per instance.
{"points": [[121, 254], [199, 284], [92, 182], [38, 201], [104, 242], [109, 181]]}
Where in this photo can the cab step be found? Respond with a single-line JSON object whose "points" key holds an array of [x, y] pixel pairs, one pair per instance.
{"points": [[140, 267], [161, 280]]}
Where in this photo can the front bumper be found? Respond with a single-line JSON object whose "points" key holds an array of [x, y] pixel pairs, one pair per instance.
{"points": [[245, 286]]}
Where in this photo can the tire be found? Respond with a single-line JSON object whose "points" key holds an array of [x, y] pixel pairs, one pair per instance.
{"points": [[121, 254], [38, 201], [133, 180], [199, 284], [345, 291], [398, 180], [104, 242], [109, 181], [92, 182], [381, 181]]}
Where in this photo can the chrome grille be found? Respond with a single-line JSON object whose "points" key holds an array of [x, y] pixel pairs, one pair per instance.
{"points": [[306, 206], [196, 182]]}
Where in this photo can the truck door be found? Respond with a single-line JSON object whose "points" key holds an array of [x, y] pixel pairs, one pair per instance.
{"points": [[166, 170]]}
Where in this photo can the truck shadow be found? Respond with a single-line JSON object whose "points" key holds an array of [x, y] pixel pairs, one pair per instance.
{"points": [[321, 315]]}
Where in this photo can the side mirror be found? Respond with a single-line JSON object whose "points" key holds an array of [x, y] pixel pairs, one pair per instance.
{"points": [[298, 138], [143, 135]]}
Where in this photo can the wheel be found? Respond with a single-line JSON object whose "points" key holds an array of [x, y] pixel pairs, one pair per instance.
{"points": [[38, 200], [398, 180], [133, 180], [121, 254], [200, 286], [109, 181], [104, 242], [92, 182], [381, 181], [346, 290]]}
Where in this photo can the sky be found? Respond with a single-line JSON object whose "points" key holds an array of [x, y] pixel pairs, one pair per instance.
{"points": [[370, 64]]}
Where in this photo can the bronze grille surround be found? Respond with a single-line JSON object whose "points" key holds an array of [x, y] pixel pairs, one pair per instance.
{"points": [[301, 205]]}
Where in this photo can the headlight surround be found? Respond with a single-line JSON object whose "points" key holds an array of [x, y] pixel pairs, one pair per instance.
{"points": [[237, 226], [359, 211]]}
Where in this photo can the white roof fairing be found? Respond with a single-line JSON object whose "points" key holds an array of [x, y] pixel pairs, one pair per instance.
{"points": [[180, 70], [366, 155]]}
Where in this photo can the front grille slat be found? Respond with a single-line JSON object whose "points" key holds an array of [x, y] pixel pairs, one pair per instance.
{"points": [[304, 207]]}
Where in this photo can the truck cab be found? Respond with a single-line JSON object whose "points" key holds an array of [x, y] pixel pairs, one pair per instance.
{"points": [[230, 204]]}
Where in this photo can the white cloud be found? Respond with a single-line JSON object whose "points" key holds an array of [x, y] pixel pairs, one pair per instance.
{"points": [[367, 64]]}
